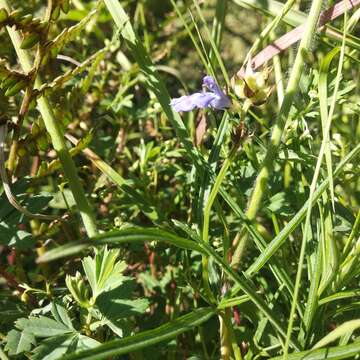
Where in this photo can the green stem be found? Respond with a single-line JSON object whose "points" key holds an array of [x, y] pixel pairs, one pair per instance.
{"points": [[3, 356], [307, 225], [214, 191], [278, 129], [205, 232], [57, 137]]}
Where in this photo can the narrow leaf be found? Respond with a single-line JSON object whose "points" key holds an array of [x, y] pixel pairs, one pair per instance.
{"points": [[120, 237], [347, 327], [146, 338]]}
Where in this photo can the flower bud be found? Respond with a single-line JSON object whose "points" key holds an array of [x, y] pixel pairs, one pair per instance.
{"points": [[252, 85], [78, 289]]}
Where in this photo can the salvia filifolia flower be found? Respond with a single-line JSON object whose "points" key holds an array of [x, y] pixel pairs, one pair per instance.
{"points": [[214, 98], [252, 85]]}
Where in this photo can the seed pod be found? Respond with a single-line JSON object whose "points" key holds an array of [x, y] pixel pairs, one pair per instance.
{"points": [[42, 142], [43, 169], [55, 13], [252, 86], [29, 40], [41, 26], [45, 58], [21, 150], [65, 6], [31, 147], [35, 129], [35, 22], [16, 15], [3, 15], [26, 19], [10, 81], [16, 88]]}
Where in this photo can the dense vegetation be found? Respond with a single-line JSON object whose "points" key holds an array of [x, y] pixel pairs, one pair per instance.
{"points": [[144, 218]]}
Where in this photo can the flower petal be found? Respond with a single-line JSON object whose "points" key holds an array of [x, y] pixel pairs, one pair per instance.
{"points": [[190, 102], [211, 84], [220, 102]]}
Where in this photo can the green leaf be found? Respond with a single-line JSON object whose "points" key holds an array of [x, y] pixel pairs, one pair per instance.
{"points": [[103, 271], [246, 287], [18, 342], [146, 234], [69, 34], [331, 353], [117, 303], [130, 235], [85, 342], [339, 296], [42, 326], [345, 328], [323, 101], [146, 338], [272, 247], [60, 314], [153, 79], [55, 347], [122, 184]]}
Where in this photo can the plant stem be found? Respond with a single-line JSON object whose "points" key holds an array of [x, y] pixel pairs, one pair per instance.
{"points": [[278, 129], [307, 225], [3, 356], [57, 137]]}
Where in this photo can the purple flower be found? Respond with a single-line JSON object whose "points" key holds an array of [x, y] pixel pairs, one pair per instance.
{"points": [[214, 99]]}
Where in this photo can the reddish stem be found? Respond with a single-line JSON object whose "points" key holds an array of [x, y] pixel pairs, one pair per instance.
{"points": [[295, 35]]}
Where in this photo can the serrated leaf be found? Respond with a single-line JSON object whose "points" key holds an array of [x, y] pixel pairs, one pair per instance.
{"points": [[60, 314], [42, 326], [117, 303], [19, 341], [55, 347], [85, 342], [103, 271]]}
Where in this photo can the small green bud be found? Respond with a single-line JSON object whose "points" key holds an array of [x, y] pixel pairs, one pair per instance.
{"points": [[24, 297], [41, 26], [78, 290]]}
